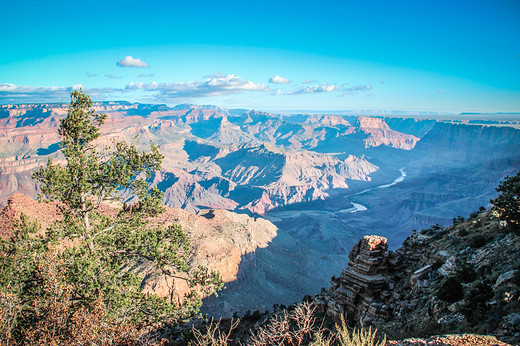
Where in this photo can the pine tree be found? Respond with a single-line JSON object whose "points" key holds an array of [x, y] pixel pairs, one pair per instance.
{"points": [[96, 246], [507, 204]]}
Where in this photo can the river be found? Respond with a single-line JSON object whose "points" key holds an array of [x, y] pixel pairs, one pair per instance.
{"points": [[359, 207], [290, 214]]}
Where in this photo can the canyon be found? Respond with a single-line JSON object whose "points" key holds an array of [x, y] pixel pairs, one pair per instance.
{"points": [[324, 181]]}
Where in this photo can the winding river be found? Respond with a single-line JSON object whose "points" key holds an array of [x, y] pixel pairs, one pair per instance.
{"points": [[290, 214], [359, 207]]}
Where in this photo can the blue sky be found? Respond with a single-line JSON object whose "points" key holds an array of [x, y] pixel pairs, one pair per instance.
{"points": [[444, 56]]}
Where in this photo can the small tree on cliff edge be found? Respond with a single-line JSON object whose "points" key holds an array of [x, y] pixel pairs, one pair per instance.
{"points": [[507, 204], [96, 250]]}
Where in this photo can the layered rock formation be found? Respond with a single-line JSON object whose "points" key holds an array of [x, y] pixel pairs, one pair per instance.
{"points": [[357, 293], [381, 134], [240, 145]]}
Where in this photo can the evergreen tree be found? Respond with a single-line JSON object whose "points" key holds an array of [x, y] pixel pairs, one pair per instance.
{"points": [[95, 250], [507, 204]]}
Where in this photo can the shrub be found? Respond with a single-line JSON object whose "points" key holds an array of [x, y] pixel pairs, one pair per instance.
{"points": [[466, 272], [451, 290], [477, 298], [507, 204], [463, 232], [288, 328], [457, 220], [477, 241], [344, 337], [213, 334]]}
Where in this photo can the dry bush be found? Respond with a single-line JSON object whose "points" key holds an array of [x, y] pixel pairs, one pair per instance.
{"points": [[52, 318], [213, 336], [289, 328]]}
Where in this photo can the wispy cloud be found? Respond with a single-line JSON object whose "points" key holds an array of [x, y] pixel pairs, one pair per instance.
{"points": [[279, 80], [355, 90], [130, 61], [143, 75], [11, 93], [309, 81], [111, 76], [314, 89], [215, 84], [91, 74]]}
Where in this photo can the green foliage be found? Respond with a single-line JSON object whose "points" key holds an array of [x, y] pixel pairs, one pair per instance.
{"points": [[457, 220], [466, 272], [477, 241], [451, 290], [507, 204], [463, 232], [477, 298], [95, 250]]}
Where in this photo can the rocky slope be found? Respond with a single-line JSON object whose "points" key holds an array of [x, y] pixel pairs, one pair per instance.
{"points": [[220, 239], [464, 278]]}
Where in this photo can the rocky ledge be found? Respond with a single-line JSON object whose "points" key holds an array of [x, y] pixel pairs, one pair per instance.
{"points": [[460, 279]]}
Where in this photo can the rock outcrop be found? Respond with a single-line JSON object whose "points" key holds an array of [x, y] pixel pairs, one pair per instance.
{"points": [[358, 292], [459, 279]]}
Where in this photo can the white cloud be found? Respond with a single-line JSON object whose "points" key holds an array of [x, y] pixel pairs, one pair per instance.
{"points": [[139, 86], [215, 84], [91, 74], [143, 75], [130, 61], [355, 90], [308, 81], [315, 89], [279, 80], [10, 93]]}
